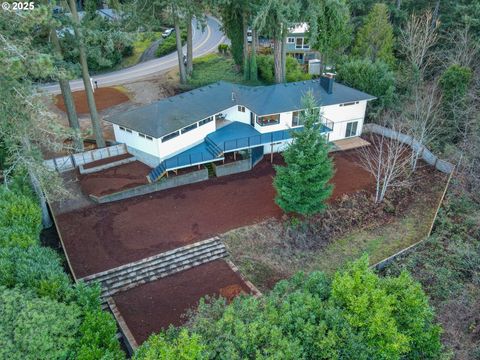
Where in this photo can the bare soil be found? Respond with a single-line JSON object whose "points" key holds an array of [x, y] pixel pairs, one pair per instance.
{"points": [[104, 236], [154, 306], [105, 97], [114, 179]]}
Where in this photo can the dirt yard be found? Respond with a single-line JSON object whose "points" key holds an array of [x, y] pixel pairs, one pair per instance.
{"points": [[114, 179], [154, 306], [105, 97], [104, 236]]}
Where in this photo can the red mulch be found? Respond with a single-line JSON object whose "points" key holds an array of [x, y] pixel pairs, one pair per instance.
{"points": [[107, 160], [104, 98], [115, 179], [105, 236], [152, 307]]}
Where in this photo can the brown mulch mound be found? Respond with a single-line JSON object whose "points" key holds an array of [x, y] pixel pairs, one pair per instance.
{"points": [[114, 179], [109, 235], [105, 98], [154, 306]]}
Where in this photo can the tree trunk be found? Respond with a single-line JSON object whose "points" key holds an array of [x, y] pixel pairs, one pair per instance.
{"points": [[284, 58], [246, 70], [277, 59], [253, 57], [96, 125], [399, 4], [435, 14], [189, 46], [178, 38], [68, 99]]}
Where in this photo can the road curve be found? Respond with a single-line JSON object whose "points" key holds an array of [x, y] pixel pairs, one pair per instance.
{"points": [[204, 42]]}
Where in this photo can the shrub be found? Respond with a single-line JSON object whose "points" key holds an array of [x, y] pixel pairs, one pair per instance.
{"points": [[294, 70], [36, 328], [36, 268], [169, 44], [375, 78], [20, 219], [98, 338], [223, 48], [184, 346], [354, 315]]}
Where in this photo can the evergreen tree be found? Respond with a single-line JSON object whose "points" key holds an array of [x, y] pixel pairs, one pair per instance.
{"points": [[375, 38], [303, 185]]}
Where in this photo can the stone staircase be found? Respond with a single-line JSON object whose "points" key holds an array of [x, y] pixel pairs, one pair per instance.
{"points": [[158, 266]]}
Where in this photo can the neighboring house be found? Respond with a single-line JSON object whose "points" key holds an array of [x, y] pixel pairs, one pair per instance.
{"points": [[201, 125], [298, 46]]}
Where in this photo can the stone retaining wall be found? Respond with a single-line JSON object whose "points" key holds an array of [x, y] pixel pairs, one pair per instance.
{"points": [[233, 167], [164, 183]]}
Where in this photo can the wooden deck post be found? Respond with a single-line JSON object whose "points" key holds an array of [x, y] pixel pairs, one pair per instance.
{"points": [[271, 153]]}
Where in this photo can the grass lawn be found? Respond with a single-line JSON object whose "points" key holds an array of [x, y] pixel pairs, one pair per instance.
{"points": [[263, 255], [141, 43], [214, 67]]}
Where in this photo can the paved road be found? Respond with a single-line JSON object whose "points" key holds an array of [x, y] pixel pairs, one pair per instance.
{"points": [[203, 43]]}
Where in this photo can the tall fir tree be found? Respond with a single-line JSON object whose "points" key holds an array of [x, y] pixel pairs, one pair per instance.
{"points": [[303, 184], [375, 38]]}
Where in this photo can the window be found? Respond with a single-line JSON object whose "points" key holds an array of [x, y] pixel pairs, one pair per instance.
{"points": [[122, 128], [189, 128], [205, 121], [141, 135], [296, 119], [268, 120], [349, 103], [301, 43], [148, 138], [170, 136], [351, 129], [291, 40], [128, 130], [241, 108]]}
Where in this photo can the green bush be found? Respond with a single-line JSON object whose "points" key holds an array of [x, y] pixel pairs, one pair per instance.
{"points": [[374, 78], [36, 328], [223, 49], [169, 44], [20, 219], [98, 338], [36, 268], [353, 315], [184, 346], [294, 70]]}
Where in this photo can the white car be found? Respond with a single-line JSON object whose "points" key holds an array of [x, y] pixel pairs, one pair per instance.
{"points": [[167, 32]]}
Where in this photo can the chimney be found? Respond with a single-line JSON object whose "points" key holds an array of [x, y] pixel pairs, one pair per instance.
{"points": [[326, 81]]}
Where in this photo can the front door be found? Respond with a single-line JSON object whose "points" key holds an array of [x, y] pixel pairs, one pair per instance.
{"points": [[351, 129], [252, 119]]}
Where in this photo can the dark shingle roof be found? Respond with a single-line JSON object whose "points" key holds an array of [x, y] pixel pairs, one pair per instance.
{"points": [[176, 112]]}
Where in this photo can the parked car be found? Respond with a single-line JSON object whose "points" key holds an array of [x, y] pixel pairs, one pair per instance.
{"points": [[167, 32]]}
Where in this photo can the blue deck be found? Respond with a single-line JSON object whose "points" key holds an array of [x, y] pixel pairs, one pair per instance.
{"points": [[232, 137]]}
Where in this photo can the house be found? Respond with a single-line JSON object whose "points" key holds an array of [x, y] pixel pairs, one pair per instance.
{"points": [[200, 126], [298, 46]]}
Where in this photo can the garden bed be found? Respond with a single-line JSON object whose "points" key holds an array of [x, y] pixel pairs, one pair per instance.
{"points": [[352, 225], [154, 306], [108, 235], [114, 179]]}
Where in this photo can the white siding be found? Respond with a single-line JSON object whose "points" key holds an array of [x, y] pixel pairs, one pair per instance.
{"points": [[134, 140], [233, 114], [341, 115], [184, 141]]}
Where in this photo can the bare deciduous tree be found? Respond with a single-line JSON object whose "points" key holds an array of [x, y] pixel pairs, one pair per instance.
{"points": [[417, 38], [464, 49], [387, 160], [421, 117]]}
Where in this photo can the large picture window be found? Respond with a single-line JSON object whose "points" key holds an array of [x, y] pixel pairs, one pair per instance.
{"points": [[268, 120], [296, 119], [351, 129], [301, 43]]}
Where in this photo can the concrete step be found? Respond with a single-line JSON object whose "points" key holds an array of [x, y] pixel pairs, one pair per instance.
{"points": [[155, 267]]}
